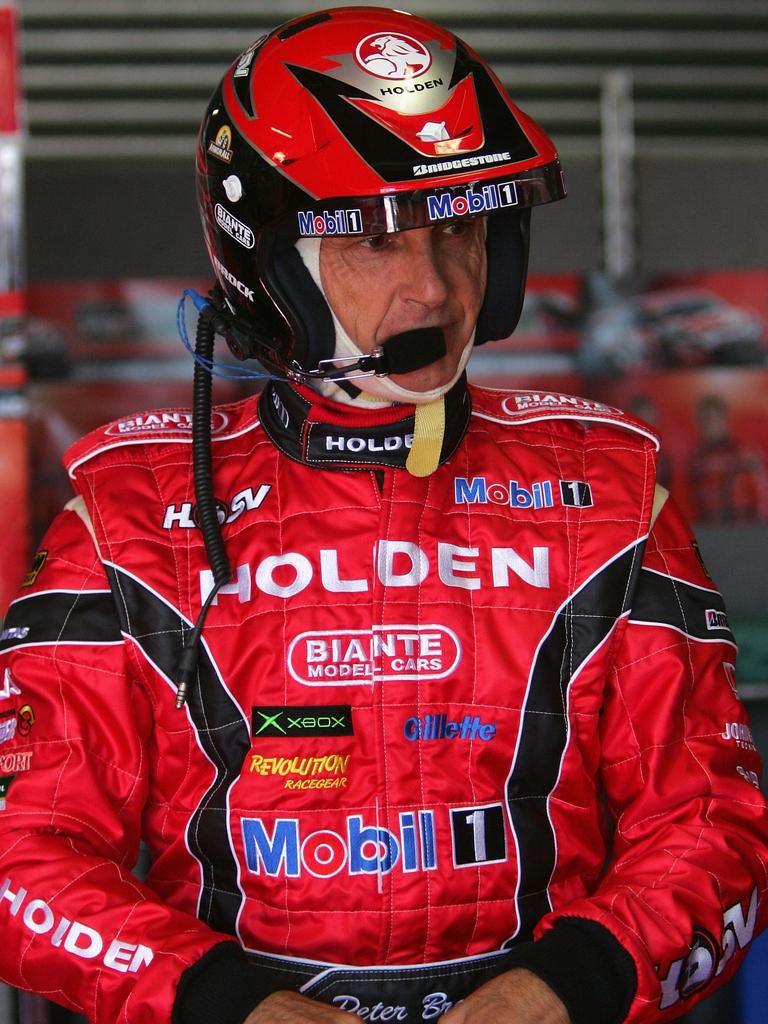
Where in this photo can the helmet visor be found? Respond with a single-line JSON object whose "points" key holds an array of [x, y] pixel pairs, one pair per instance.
{"points": [[419, 208]]}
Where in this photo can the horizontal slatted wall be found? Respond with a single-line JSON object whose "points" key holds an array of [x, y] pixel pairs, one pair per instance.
{"points": [[131, 77]]}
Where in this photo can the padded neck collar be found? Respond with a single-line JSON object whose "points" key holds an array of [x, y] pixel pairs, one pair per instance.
{"points": [[318, 432]]}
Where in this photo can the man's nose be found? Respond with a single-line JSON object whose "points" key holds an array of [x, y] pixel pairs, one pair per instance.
{"points": [[423, 275]]}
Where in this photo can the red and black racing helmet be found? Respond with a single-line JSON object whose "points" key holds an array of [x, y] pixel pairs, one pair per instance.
{"points": [[358, 121]]}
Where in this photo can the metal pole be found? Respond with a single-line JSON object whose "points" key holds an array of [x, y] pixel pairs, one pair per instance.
{"points": [[11, 140], [618, 175]]}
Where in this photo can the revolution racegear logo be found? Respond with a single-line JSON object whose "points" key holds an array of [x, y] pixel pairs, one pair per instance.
{"points": [[324, 771]]}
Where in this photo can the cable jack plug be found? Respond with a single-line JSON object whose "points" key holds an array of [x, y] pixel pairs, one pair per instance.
{"points": [[186, 671]]}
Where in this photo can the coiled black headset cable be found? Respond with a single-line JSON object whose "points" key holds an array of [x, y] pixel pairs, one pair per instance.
{"points": [[210, 322]]}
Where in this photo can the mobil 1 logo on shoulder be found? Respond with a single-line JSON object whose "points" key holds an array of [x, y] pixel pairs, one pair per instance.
{"points": [[576, 493]]}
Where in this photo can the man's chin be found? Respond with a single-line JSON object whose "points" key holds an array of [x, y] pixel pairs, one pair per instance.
{"points": [[420, 389], [410, 388], [439, 376], [422, 386]]}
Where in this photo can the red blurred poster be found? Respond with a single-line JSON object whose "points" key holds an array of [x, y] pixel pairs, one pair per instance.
{"points": [[8, 59], [98, 350], [713, 424]]}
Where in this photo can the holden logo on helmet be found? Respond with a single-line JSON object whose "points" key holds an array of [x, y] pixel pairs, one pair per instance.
{"points": [[221, 146], [388, 56]]}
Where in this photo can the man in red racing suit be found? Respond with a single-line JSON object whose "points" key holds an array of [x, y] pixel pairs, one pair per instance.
{"points": [[462, 739], [401, 738]]}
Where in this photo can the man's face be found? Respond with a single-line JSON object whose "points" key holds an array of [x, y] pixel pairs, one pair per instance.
{"points": [[428, 277], [713, 420]]}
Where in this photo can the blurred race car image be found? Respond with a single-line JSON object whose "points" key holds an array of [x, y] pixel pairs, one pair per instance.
{"points": [[689, 327]]}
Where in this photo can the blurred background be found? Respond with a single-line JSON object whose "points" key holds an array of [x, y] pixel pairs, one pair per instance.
{"points": [[648, 286]]}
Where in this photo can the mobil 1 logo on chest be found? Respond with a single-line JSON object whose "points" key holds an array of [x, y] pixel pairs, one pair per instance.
{"points": [[289, 847], [479, 490]]}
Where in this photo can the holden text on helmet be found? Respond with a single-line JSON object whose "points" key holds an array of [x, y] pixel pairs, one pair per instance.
{"points": [[396, 563], [399, 90], [489, 197]]}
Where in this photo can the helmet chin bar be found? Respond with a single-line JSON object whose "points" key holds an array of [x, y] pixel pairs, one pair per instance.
{"points": [[401, 353]]}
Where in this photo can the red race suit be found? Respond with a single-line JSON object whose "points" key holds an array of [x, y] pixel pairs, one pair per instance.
{"points": [[440, 726]]}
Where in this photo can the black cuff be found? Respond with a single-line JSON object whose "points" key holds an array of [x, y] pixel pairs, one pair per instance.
{"points": [[223, 986], [585, 966]]}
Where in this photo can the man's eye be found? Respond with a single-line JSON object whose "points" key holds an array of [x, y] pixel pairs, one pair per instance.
{"points": [[457, 227], [375, 242]]}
